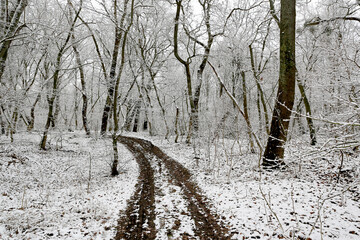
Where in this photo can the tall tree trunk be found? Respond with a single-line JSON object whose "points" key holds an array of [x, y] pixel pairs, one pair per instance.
{"points": [[259, 111], [274, 151], [128, 117], [14, 120], [136, 118], [237, 105], [152, 76], [76, 104]]}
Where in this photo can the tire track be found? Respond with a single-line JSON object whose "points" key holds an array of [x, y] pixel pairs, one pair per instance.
{"points": [[138, 221], [207, 224]]}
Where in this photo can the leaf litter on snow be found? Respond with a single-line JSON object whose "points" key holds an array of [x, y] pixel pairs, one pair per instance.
{"points": [[62, 193], [304, 201]]}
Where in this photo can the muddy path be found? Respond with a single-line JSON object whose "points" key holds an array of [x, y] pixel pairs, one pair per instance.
{"points": [[138, 222]]}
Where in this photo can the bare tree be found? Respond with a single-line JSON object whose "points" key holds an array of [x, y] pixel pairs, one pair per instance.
{"points": [[56, 79], [111, 81], [130, 16], [154, 51], [209, 37], [79, 64]]}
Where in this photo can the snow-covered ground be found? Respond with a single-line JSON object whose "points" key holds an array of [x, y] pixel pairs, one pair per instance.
{"points": [[51, 195], [304, 201], [62, 193]]}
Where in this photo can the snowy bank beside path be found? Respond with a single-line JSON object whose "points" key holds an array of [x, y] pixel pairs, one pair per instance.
{"points": [[62, 193], [304, 201]]}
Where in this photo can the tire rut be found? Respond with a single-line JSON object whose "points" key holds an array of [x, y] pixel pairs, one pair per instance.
{"points": [[208, 225], [138, 221]]}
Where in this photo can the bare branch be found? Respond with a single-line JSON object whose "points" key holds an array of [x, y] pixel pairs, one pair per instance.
{"points": [[273, 12], [318, 21], [232, 12]]}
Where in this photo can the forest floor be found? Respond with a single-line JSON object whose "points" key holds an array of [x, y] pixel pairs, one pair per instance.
{"points": [[162, 192]]}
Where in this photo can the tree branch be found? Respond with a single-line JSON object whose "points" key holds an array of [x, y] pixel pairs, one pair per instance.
{"points": [[318, 21]]}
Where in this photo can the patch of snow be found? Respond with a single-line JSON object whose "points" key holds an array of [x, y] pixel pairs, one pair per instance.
{"points": [[305, 200], [65, 192], [173, 219]]}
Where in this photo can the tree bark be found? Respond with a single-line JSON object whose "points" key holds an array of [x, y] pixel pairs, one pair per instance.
{"points": [[32, 113], [2, 123], [274, 151]]}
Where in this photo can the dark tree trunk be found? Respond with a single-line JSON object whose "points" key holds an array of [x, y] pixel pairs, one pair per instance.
{"points": [[274, 152], [2, 125], [145, 125], [136, 119], [176, 125], [32, 113]]}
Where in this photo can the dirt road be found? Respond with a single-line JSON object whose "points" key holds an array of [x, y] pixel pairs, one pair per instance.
{"points": [[166, 203]]}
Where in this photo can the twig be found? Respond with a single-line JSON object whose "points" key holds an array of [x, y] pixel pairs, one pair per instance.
{"points": [[269, 206]]}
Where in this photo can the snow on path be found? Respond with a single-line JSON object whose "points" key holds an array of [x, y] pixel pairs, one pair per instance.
{"points": [[172, 217]]}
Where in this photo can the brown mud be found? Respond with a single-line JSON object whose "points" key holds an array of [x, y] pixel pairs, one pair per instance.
{"points": [[138, 221]]}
